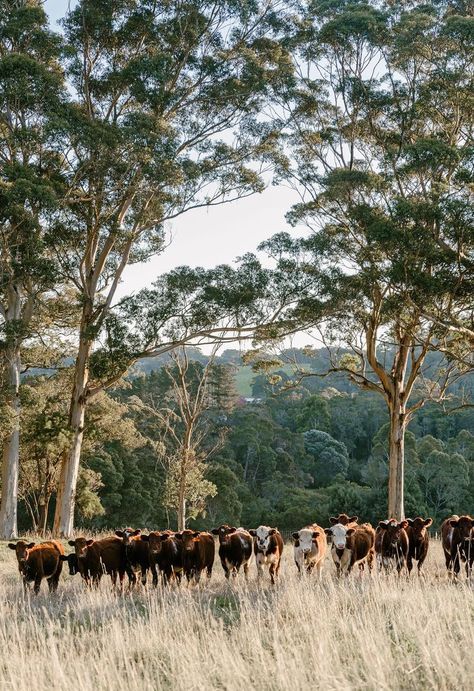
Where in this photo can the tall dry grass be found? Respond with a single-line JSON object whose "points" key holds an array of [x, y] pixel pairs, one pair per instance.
{"points": [[357, 633]]}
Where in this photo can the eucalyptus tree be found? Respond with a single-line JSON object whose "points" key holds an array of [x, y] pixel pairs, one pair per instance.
{"points": [[166, 114], [31, 91], [381, 148]]}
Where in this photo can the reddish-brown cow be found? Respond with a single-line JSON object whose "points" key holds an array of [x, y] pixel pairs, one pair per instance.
{"points": [[457, 537], [418, 541], [235, 549], [351, 545], [198, 553], [268, 548], [36, 562], [137, 553], [393, 544], [166, 554], [96, 557]]}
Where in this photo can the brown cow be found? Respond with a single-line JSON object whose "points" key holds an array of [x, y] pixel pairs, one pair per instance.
{"points": [[379, 533], [457, 537], [352, 545], [394, 544], [268, 548], [310, 548], [198, 553], [137, 553], [96, 557], [235, 549], [344, 519], [36, 562], [418, 541], [166, 554]]}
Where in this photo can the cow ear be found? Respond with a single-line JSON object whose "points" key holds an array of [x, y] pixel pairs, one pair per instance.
{"points": [[137, 531], [232, 530], [253, 532], [333, 520], [328, 531], [454, 523], [179, 536], [350, 531], [164, 537], [215, 531], [272, 531], [89, 542], [410, 521], [383, 524], [428, 522], [403, 524], [71, 543], [30, 545], [316, 533], [295, 536], [120, 533], [353, 519], [12, 545], [196, 533], [145, 538]]}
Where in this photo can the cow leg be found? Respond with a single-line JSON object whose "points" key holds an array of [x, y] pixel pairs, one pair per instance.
{"points": [[273, 571], [370, 560], [154, 574], [410, 564], [144, 570], [310, 567], [209, 571], [319, 569], [37, 585], [246, 570], [53, 583], [298, 567]]}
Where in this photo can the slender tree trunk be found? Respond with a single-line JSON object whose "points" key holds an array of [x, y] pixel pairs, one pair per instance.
{"points": [[63, 525], [11, 450], [43, 514], [182, 492], [396, 476]]}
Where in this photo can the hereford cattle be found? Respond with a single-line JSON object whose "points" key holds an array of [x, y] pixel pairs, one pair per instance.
{"points": [[235, 549], [418, 541], [96, 557], [310, 548], [457, 537], [393, 544], [36, 562], [166, 555], [71, 562], [136, 552], [198, 553], [351, 546], [268, 548]]}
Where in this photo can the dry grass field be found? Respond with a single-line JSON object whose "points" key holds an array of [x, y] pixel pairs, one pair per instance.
{"points": [[358, 633]]}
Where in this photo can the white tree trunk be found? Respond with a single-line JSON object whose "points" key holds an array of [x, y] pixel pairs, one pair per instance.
{"points": [[11, 451], [396, 477]]}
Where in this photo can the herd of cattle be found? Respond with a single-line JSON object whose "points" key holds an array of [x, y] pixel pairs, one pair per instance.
{"points": [[396, 544]]}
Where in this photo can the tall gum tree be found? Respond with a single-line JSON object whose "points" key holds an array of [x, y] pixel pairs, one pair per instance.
{"points": [[30, 93], [165, 116], [381, 143]]}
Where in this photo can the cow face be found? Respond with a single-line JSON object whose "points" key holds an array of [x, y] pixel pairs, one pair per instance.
{"points": [[224, 532], [155, 541], [339, 534], [71, 561], [306, 538], [464, 524], [22, 550], [262, 537], [81, 545], [188, 538], [419, 526], [393, 531], [127, 535]]}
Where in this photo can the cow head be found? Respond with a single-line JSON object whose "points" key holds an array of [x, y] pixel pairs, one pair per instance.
{"points": [[393, 530], [188, 538], [224, 532], [71, 561], [306, 538], [418, 526], [343, 519], [262, 537], [464, 524], [155, 541], [128, 535], [22, 550], [339, 534], [81, 545]]}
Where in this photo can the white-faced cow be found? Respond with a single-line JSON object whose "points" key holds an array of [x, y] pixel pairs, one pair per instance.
{"points": [[235, 549], [268, 548], [310, 548], [351, 546]]}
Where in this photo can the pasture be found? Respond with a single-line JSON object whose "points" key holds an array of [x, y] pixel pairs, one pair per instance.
{"points": [[374, 633]]}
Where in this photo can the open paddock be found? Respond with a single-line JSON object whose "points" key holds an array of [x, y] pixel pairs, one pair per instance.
{"points": [[360, 632]]}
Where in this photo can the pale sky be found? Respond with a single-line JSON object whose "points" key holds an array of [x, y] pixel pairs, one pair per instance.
{"points": [[206, 237]]}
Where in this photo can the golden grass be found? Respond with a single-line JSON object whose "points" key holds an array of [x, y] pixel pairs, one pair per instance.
{"points": [[357, 633]]}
